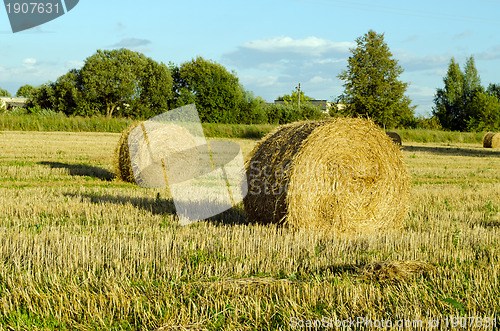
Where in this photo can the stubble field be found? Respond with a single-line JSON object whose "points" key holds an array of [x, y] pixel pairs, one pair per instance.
{"points": [[82, 250]]}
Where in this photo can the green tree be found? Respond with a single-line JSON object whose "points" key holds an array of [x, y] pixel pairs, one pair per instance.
{"points": [[494, 89], [294, 98], [455, 105], [484, 112], [126, 81], [216, 91], [5, 93], [42, 97], [66, 95], [372, 87], [25, 91], [252, 109], [448, 102]]}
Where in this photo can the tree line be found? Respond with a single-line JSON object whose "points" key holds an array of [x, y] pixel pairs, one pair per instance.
{"points": [[124, 83], [129, 84], [464, 104]]}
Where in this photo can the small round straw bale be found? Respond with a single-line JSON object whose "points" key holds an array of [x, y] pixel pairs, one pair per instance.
{"points": [[342, 176], [488, 139], [395, 137], [495, 141], [159, 150]]}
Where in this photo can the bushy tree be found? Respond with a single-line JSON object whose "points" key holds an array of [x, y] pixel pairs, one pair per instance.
{"points": [[287, 113], [372, 87], [484, 113], [123, 80], [217, 92], [294, 98], [25, 91], [5, 93], [252, 109]]}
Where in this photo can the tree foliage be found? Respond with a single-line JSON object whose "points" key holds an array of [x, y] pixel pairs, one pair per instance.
{"points": [[294, 98], [463, 104], [25, 91], [372, 87], [4, 93], [217, 92], [123, 79], [112, 83]]}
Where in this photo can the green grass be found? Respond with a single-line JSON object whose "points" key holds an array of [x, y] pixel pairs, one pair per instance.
{"points": [[63, 123]]}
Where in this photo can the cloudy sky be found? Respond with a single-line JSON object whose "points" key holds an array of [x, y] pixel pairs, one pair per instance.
{"points": [[272, 45]]}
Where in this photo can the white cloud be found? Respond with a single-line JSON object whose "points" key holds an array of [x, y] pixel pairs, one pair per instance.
{"points": [[312, 61], [320, 80], [132, 43], [311, 46], [29, 62], [260, 81], [72, 64]]}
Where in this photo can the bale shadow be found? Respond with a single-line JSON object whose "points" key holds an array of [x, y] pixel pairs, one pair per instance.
{"points": [[453, 151], [82, 170], [156, 206], [160, 206]]}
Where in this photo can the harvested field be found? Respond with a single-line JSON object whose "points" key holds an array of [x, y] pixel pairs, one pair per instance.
{"points": [[81, 250]]}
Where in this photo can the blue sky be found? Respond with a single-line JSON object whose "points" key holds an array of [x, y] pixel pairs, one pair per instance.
{"points": [[272, 45]]}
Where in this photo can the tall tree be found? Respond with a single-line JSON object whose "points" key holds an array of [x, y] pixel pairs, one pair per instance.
{"points": [[458, 102], [449, 105], [372, 87]]}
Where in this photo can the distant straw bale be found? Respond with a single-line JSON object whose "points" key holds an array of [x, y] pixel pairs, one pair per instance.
{"points": [[159, 149], [395, 137], [342, 176], [495, 141], [488, 140]]}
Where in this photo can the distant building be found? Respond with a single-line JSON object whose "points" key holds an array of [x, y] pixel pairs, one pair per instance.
{"points": [[13, 103]]}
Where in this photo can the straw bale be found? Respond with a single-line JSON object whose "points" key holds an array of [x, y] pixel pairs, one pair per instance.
{"points": [[495, 141], [488, 139], [395, 137], [342, 176], [162, 151]]}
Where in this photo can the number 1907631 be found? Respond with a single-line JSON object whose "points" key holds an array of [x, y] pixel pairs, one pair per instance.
{"points": [[33, 8]]}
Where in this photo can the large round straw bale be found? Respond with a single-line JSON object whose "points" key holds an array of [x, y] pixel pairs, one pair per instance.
{"points": [[343, 176], [159, 149], [395, 137]]}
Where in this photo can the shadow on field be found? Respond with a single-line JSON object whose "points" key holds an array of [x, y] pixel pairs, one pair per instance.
{"points": [[453, 151], [82, 170], [154, 206], [160, 206]]}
